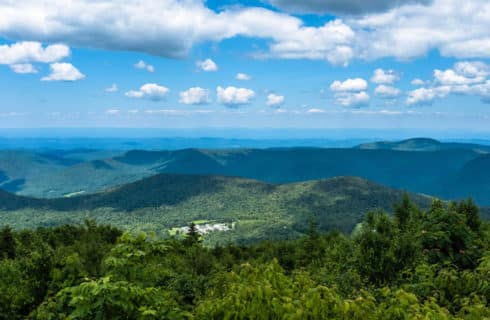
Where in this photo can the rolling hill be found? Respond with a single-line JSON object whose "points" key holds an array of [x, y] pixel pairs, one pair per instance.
{"points": [[422, 144], [257, 210], [418, 165]]}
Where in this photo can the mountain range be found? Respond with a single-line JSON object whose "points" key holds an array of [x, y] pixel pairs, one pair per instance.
{"points": [[446, 170]]}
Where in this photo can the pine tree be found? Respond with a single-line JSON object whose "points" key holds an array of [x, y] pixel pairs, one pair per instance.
{"points": [[472, 213], [403, 211], [193, 236]]}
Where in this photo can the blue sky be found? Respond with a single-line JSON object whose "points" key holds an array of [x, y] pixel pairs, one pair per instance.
{"points": [[303, 66]]}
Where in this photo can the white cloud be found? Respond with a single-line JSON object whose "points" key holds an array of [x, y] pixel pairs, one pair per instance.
{"points": [[466, 78], [232, 96], [243, 76], [381, 76], [463, 73], [387, 92], [426, 96], [171, 28], [207, 65], [23, 68], [274, 100], [195, 95], [451, 77], [357, 84], [112, 88], [417, 82], [150, 91], [351, 92], [143, 65], [472, 69], [29, 51], [352, 99], [63, 72], [331, 42], [453, 28]]}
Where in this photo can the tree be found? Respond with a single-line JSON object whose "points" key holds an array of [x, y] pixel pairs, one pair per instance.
{"points": [[377, 249], [472, 213], [403, 211], [7, 243], [193, 237]]}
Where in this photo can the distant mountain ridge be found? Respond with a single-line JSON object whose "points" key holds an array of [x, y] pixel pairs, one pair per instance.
{"points": [[422, 144], [447, 170]]}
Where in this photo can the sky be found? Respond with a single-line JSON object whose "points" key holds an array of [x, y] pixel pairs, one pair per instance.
{"points": [[326, 64]]}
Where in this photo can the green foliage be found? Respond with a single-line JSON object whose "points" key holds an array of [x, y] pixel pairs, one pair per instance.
{"points": [[414, 265], [107, 299], [258, 210], [7, 243]]}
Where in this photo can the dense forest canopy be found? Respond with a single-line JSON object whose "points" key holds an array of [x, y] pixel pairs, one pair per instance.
{"points": [[414, 264]]}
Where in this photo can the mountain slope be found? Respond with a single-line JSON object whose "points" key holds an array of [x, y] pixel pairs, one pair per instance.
{"points": [[259, 210], [422, 144], [473, 180], [436, 172]]}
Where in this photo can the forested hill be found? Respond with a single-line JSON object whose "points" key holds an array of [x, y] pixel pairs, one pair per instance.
{"points": [[422, 144], [445, 170], [259, 210], [414, 264]]}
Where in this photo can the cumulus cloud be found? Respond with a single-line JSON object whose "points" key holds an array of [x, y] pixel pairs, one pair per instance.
{"points": [[207, 65], [381, 76], [175, 27], [351, 92], [29, 51], [463, 73], [150, 91], [274, 100], [472, 69], [232, 96], [331, 42], [466, 78], [112, 88], [352, 99], [451, 77], [23, 68], [357, 84], [171, 28], [426, 96], [417, 82], [63, 72], [195, 95], [411, 31], [350, 7], [143, 65], [386, 92], [243, 76]]}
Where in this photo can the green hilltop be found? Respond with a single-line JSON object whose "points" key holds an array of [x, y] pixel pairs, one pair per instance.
{"points": [[256, 209]]}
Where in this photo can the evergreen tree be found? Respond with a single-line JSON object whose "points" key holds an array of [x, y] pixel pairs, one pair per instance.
{"points": [[7, 243], [472, 213], [403, 212], [193, 237]]}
